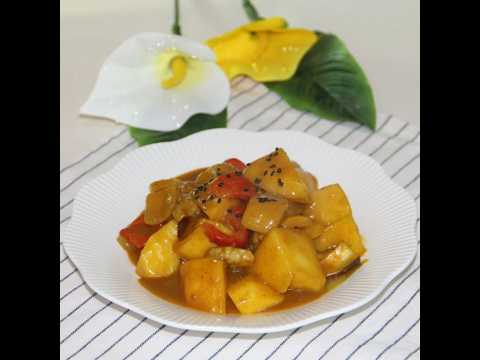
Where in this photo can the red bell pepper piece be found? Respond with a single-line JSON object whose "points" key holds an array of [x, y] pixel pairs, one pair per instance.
{"points": [[233, 186], [236, 163], [137, 233], [237, 239]]}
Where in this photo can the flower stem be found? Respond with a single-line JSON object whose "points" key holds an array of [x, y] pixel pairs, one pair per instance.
{"points": [[176, 24], [250, 10]]}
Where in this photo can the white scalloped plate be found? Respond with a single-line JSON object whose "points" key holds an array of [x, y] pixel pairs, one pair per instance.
{"points": [[384, 211]]}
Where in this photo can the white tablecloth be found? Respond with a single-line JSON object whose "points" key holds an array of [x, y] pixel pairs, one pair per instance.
{"points": [[388, 328]]}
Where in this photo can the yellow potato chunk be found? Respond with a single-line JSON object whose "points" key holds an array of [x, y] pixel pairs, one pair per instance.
{"points": [[264, 213], [252, 296], [213, 171], [217, 211], [329, 205], [276, 174], [157, 258], [272, 261], [307, 272], [314, 231], [346, 231], [297, 221], [195, 245], [204, 284], [160, 204], [162, 184], [338, 259]]}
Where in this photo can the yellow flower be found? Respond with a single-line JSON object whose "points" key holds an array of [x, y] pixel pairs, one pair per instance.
{"points": [[264, 50]]}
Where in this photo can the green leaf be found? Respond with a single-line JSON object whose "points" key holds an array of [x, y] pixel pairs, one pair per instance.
{"points": [[329, 83], [196, 123]]}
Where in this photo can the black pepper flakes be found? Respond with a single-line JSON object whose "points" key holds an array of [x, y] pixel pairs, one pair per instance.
{"points": [[272, 173], [245, 189], [280, 182], [248, 164], [219, 200], [220, 184], [269, 158], [229, 176], [204, 201], [273, 166], [257, 181], [265, 172], [229, 211], [238, 173], [276, 149], [279, 170]]}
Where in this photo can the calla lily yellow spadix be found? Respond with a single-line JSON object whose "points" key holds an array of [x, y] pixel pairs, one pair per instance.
{"points": [[263, 50], [178, 66]]}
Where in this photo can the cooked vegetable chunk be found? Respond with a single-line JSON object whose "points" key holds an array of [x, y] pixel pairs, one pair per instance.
{"points": [[160, 204], [297, 221], [329, 205], [213, 171], [232, 255], [306, 269], [276, 174], [251, 296], [272, 261], [157, 258], [218, 210], [204, 284], [314, 231], [338, 259], [195, 245], [162, 184], [264, 213], [346, 231]]}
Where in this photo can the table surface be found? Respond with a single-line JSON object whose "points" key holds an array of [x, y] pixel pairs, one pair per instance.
{"points": [[383, 35]]}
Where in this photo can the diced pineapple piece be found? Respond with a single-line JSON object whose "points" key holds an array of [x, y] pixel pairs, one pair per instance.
{"points": [[346, 231], [276, 174], [157, 258], [307, 272], [338, 259], [195, 245], [252, 296], [314, 231], [264, 213], [162, 184], [213, 171], [272, 261], [204, 284], [329, 205], [297, 221], [218, 210]]}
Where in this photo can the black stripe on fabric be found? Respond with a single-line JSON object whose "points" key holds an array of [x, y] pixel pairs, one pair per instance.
{"points": [[97, 165], [94, 151], [143, 342], [398, 339], [276, 119], [78, 307], [195, 346], [65, 258], [97, 335], [247, 105], [316, 336], [84, 322], [62, 221], [412, 181], [260, 113], [121, 338], [384, 325], [223, 346], [68, 275], [244, 91], [413, 352], [330, 129], [387, 120], [400, 148], [296, 120], [281, 344], [348, 134], [370, 313], [406, 164], [66, 204], [167, 346], [251, 346], [69, 292], [315, 122], [388, 139]]}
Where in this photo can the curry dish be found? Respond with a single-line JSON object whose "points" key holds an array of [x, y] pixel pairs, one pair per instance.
{"points": [[236, 238]]}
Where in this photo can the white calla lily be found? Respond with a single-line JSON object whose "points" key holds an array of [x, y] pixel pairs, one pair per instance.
{"points": [[133, 86]]}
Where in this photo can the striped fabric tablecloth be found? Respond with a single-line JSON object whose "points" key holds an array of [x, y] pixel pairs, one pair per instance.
{"points": [[388, 328]]}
